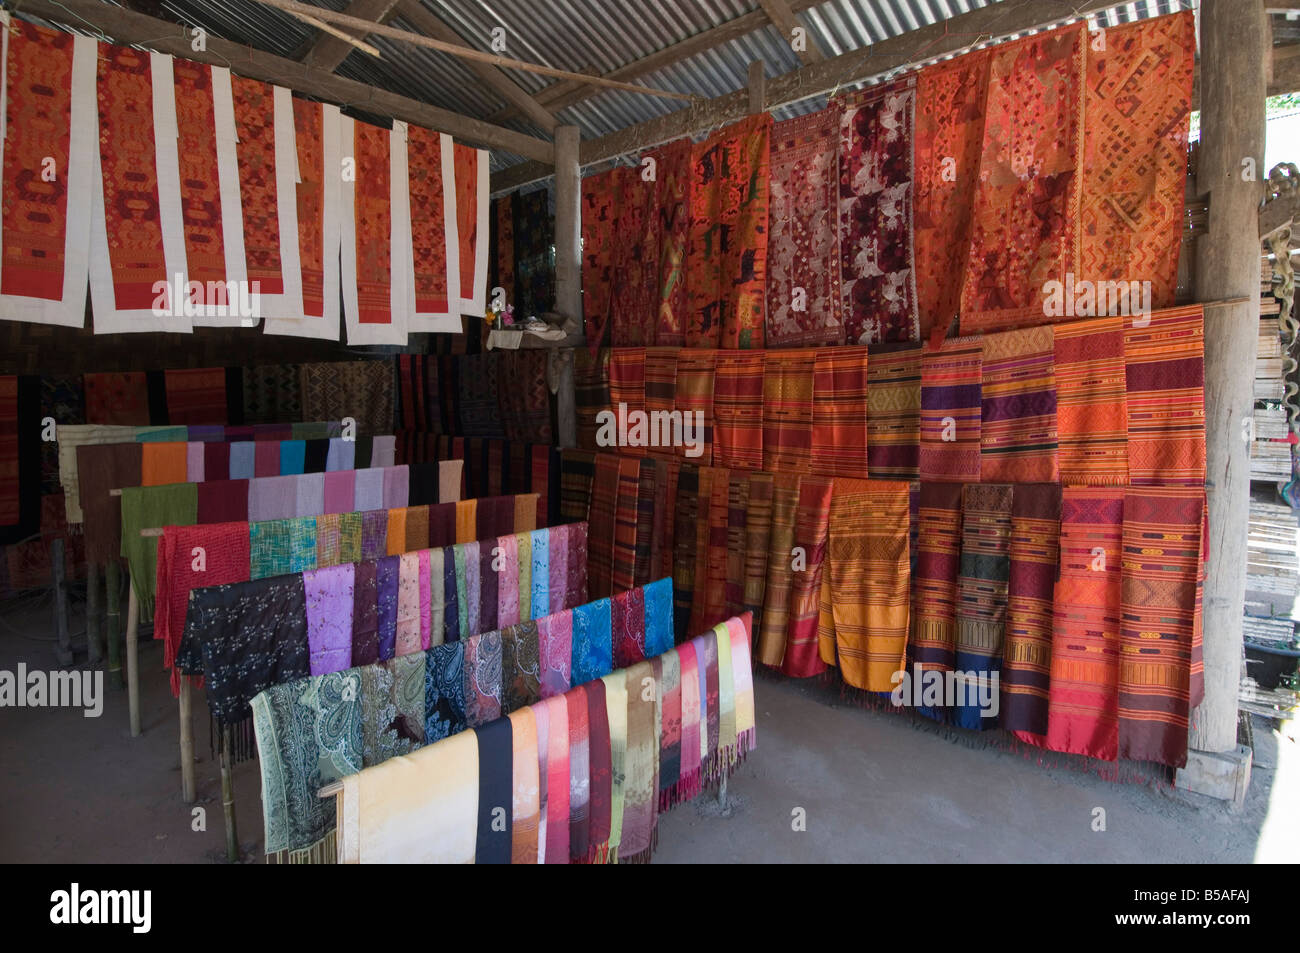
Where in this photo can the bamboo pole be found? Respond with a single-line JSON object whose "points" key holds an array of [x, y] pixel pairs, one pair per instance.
{"points": [[113, 619], [94, 636], [132, 658], [187, 741], [302, 11], [228, 798]]}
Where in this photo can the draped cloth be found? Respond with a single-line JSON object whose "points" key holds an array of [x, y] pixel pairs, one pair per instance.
{"points": [[1027, 652], [616, 708], [738, 410], [727, 251], [117, 399], [1138, 101], [1018, 427], [875, 213], [1091, 408], [758, 537], [950, 411], [869, 577], [839, 423], [50, 95], [102, 468], [602, 198], [1158, 596], [494, 842], [526, 790], [1165, 375], [628, 627], [309, 734], [579, 774], [627, 386], [625, 524], [592, 640], [152, 508], [591, 392], [558, 780], [982, 599], [520, 666], [601, 523], [444, 691], [640, 766], [894, 413], [803, 269], [776, 599], [811, 525], [1025, 223], [933, 641], [1082, 697], [435, 252], [384, 814], [694, 399], [788, 410], [950, 105], [673, 163]]}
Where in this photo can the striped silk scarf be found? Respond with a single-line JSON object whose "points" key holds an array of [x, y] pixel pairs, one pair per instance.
{"points": [[868, 572], [600, 775], [1091, 413], [758, 538], [802, 658], [1082, 715], [894, 413], [577, 471], [738, 410], [605, 487], [1018, 408], [694, 400], [626, 519], [839, 422], [934, 626], [982, 596], [1027, 654], [640, 766], [627, 386], [523, 844], [776, 597], [950, 411], [1165, 372], [591, 392], [788, 410]]}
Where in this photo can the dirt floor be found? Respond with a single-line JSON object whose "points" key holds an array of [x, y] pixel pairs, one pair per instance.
{"points": [[872, 787]]}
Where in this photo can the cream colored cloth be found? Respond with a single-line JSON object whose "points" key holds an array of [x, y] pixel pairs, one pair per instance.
{"points": [[420, 808], [450, 473]]}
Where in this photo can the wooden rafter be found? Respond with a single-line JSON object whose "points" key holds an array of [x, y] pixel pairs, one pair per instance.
{"points": [[328, 52], [782, 17], [127, 26], [559, 95]]}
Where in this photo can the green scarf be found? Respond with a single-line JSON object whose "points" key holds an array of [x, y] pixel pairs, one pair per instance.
{"points": [[152, 507]]}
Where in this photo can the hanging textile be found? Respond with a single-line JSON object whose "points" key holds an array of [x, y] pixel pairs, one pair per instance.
{"points": [[308, 735], [734, 551], [209, 192], [480, 408], [727, 246], [811, 523], [738, 410], [534, 264], [673, 168], [875, 213], [840, 412], [950, 411], [1091, 408], [470, 188], [20, 458], [694, 400], [1164, 362], [634, 307], [950, 105], [758, 536], [444, 691], [894, 413], [933, 641], [48, 127], [867, 566], [602, 196], [1027, 653], [524, 397], [117, 399], [627, 389], [577, 471], [592, 641], [307, 137], [640, 767], [493, 840], [776, 599], [787, 410], [626, 509], [196, 396], [433, 259], [362, 390], [803, 285], [152, 508], [1018, 407], [591, 392], [1138, 102], [1024, 229], [384, 815], [1082, 695], [103, 468], [502, 273], [524, 818], [982, 599], [604, 504], [375, 233], [1158, 586], [137, 228]]}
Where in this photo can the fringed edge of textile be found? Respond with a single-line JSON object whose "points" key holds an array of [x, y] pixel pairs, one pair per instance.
{"points": [[641, 856], [243, 739], [687, 787], [324, 851]]}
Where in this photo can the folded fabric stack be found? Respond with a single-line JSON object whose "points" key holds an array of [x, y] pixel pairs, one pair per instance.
{"points": [[243, 637]]}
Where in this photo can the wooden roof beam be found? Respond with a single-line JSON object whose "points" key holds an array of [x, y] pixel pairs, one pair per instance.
{"points": [[328, 52], [782, 17], [127, 26]]}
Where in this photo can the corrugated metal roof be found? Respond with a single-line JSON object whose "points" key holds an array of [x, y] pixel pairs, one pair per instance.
{"points": [[594, 36]]}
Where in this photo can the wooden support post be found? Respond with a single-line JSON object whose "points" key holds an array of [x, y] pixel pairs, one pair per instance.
{"points": [[1231, 172], [187, 741], [568, 268], [58, 569], [228, 798], [113, 620], [94, 636], [132, 657], [757, 87]]}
